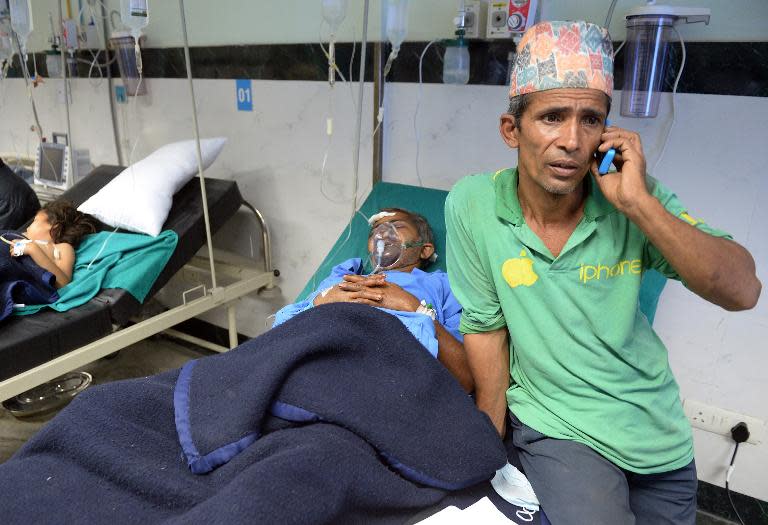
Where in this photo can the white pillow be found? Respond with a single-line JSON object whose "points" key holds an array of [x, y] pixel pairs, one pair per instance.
{"points": [[140, 197]]}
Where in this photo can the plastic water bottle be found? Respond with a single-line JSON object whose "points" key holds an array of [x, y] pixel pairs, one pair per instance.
{"points": [[21, 22], [456, 62]]}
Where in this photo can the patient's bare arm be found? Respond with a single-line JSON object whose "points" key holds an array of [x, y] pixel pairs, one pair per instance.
{"points": [[451, 353], [61, 267]]}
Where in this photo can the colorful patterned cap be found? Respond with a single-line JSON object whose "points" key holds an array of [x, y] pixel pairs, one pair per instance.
{"points": [[555, 55]]}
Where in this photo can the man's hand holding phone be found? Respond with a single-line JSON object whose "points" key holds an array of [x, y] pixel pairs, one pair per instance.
{"points": [[624, 188]]}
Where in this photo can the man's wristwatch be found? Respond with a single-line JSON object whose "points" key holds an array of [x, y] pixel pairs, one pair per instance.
{"points": [[426, 309]]}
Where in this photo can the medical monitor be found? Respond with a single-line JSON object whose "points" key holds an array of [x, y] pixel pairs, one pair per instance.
{"points": [[52, 165]]}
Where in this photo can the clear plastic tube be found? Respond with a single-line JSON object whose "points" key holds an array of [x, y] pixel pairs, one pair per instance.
{"points": [[645, 60]]}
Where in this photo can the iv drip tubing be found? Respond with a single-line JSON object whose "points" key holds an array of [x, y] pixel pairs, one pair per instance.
{"points": [[25, 73], [416, 111], [672, 102], [361, 85], [197, 144], [110, 84], [65, 79]]}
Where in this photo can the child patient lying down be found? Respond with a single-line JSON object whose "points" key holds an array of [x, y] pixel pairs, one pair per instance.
{"points": [[51, 239]]}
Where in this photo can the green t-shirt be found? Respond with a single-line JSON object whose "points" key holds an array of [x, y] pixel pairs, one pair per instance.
{"points": [[585, 363]]}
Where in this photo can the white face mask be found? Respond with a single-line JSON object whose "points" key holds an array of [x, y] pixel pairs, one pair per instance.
{"points": [[514, 487], [389, 248]]}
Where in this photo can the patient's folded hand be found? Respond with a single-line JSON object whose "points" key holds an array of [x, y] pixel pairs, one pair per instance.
{"points": [[356, 294], [392, 296]]}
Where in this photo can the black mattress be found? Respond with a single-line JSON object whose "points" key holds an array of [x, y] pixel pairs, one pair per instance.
{"points": [[28, 341]]}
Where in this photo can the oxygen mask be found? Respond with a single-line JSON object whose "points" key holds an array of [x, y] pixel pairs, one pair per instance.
{"points": [[389, 248]]}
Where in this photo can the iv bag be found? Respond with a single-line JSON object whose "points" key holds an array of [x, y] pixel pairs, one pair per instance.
{"points": [[21, 21], [134, 15], [397, 21], [334, 12], [645, 61]]}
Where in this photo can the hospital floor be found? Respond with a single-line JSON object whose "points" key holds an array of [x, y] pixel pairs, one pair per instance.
{"points": [[148, 357]]}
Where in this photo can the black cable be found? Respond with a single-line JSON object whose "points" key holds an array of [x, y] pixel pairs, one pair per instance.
{"points": [[727, 488]]}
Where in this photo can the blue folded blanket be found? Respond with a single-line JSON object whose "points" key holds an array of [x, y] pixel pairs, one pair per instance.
{"points": [[22, 281], [337, 416], [345, 365]]}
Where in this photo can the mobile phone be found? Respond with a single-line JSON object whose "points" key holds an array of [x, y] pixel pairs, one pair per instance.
{"points": [[604, 160]]}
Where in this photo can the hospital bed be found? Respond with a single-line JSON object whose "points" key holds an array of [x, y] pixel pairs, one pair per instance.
{"points": [[37, 348], [134, 464], [353, 242]]}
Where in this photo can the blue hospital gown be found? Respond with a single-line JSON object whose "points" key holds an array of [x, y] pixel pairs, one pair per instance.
{"points": [[432, 287]]}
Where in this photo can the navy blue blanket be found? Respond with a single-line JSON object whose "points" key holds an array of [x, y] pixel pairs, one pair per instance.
{"points": [[369, 428], [22, 281]]}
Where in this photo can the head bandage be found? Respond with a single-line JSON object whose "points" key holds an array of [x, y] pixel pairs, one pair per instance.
{"points": [[554, 55], [379, 216]]}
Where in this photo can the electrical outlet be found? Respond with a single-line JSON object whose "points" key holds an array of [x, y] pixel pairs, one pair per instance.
{"points": [[720, 421]]}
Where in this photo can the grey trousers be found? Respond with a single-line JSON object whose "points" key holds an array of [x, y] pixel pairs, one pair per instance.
{"points": [[576, 485]]}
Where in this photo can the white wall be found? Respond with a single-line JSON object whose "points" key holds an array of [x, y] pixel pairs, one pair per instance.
{"points": [[285, 21], [275, 154]]}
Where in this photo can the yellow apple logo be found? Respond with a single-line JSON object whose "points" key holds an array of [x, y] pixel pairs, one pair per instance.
{"points": [[519, 272], [690, 220]]}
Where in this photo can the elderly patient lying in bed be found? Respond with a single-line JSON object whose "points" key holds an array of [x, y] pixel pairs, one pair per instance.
{"points": [[400, 244]]}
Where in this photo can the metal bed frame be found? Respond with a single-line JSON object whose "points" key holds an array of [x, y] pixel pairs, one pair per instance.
{"points": [[248, 278]]}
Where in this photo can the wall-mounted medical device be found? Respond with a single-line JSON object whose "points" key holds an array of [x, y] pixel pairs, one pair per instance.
{"points": [[59, 166], [510, 18], [475, 13], [650, 31]]}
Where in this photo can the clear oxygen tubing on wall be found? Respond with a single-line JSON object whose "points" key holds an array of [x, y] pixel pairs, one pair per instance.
{"points": [[333, 14], [110, 84], [358, 126], [416, 110], [198, 151], [652, 171], [67, 92]]}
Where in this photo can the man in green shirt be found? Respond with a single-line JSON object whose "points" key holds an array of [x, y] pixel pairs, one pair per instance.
{"points": [[547, 259]]}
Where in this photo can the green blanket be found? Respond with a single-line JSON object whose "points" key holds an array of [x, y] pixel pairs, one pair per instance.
{"points": [[113, 260]]}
